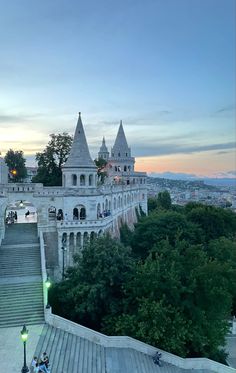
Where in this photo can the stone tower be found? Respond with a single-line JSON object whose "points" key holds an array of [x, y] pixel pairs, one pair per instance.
{"points": [[121, 162], [103, 152], [79, 170]]}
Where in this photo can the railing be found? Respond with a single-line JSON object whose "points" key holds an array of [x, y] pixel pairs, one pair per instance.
{"points": [[43, 270], [128, 342], [76, 223]]}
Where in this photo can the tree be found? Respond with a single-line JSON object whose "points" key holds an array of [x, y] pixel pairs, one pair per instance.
{"points": [[164, 200], [214, 221], [50, 161], [93, 287], [101, 172], [163, 225], [152, 204], [168, 302], [16, 163]]}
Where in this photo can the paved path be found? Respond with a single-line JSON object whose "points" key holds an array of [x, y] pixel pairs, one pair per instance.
{"points": [[11, 347]]}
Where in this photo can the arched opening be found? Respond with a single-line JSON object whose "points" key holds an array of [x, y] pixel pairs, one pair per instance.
{"points": [[92, 236], [125, 168], [78, 240], [86, 238], [82, 180], [75, 214], [52, 213], [20, 211], [99, 214], [60, 215], [82, 214], [74, 179], [114, 203], [90, 180]]}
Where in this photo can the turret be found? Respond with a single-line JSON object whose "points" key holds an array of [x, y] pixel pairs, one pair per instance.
{"points": [[121, 162], [79, 170], [103, 152]]}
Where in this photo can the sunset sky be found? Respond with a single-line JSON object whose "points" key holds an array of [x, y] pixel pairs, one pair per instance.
{"points": [[165, 67]]}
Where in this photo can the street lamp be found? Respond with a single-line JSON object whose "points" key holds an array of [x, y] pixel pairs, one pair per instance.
{"points": [[24, 336], [48, 284]]}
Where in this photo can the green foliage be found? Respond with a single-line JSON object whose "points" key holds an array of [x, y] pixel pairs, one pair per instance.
{"points": [[164, 200], [94, 286], [163, 225], [125, 235], [101, 172], [16, 163], [168, 303], [175, 290], [214, 221], [152, 204], [50, 161]]}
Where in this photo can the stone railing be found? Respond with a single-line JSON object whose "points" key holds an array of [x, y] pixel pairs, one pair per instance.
{"points": [[43, 270], [128, 342], [84, 223]]}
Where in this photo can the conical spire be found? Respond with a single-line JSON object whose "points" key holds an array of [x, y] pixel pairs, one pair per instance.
{"points": [[103, 148], [120, 148], [79, 154]]}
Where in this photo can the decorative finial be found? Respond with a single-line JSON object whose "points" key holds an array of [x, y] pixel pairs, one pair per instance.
{"points": [[121, 122], [79, 113]]}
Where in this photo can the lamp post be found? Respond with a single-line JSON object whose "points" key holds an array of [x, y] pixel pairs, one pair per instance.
{"points": [[63, 262], [24, 336], [48, 284]]}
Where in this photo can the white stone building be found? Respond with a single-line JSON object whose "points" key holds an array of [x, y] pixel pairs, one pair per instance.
{"points": [[82, 208]]}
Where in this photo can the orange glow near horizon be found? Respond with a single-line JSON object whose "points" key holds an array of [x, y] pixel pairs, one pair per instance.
{"points": [[201, 164]]}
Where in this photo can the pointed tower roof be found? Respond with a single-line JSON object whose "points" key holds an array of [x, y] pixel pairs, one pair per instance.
{"points": [[103, 148], [79, 154], [120, 142]]}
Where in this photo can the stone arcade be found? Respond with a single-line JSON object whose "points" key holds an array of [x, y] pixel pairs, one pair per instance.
{"points": [[82, 208]]}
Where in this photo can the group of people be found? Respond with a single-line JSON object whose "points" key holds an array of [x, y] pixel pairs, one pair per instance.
{"points": [[40, 365], [104, 214], [11, 217]]}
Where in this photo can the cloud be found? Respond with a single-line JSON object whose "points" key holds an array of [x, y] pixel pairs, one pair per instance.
{"points": [[224, 109], [17, 118], [171, 148], [174, 175]]}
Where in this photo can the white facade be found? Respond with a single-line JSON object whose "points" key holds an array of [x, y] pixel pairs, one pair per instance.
{"points": [[81, 209]]}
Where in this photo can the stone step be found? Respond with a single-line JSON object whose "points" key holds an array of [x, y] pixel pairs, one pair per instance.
{"points": [[19, 322]]}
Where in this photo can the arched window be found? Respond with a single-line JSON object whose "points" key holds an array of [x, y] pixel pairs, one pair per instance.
{"points": [[60, 214], [114, 203], [75, 214], [90, 180], [82, 213], [82, 180], [74, 179], [118, 154], [99, 215]]}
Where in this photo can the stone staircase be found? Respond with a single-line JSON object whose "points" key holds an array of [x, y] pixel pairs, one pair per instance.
{"points": [[69, 353], [21, 288]]}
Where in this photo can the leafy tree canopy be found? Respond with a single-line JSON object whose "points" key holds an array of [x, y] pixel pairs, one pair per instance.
{"points": [[214, 221], [50, 161], [16, 163], [163, 225], [168, 303], [93, 287]]}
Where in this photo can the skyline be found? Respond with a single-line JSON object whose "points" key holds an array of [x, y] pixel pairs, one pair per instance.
{"points": [[166, 68]]}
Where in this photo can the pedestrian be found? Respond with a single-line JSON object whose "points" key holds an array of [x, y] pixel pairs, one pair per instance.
{"points": [[15, 215], [45, 359]]}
